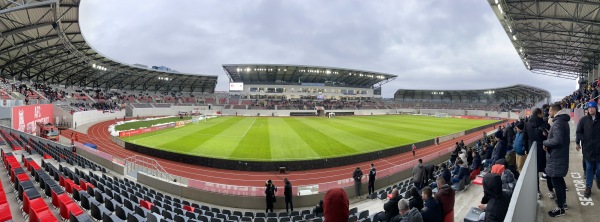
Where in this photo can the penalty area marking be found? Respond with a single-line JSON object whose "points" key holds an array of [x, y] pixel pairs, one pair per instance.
{"points": [[249, 128]]}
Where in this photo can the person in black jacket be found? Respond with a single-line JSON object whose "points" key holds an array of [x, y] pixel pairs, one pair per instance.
{"points": [[319, 208], [390, 208], [415, 200], [494, 202], [270, 191], [372, 174], [588, 134], [557, 155], [357, 175], [287, 192], [534, 131], [432, 210]]}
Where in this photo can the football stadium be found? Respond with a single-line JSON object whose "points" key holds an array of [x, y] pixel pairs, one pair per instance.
{"points": [[84, 137]]}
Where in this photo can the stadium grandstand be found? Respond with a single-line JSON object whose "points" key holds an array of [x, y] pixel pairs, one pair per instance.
{"points": [[559, 39], [50, 74], [512, 98]]}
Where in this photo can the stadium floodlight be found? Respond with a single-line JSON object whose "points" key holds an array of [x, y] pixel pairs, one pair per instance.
{"points": [[514, 37], [327, 72], [500, 8], [497, 1]]}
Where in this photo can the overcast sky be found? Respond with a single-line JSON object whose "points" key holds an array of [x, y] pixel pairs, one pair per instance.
{"points": [[429, 44]]}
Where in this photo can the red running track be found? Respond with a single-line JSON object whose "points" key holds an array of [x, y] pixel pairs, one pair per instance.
{"points": [[98, 134]]}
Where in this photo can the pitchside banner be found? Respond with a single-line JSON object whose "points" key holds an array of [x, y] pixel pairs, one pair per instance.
{"points": [[25, 117]]}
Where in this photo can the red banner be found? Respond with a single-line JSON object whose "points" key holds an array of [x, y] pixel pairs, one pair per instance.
{"points": [[145, 130], [25, 117]]}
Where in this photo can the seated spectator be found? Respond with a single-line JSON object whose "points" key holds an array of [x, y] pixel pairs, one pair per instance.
{"points": [[407, 214], [462, 173], [494, 202], [456, 168], [319, 208], [336, 205], [476, 161], [501, 147], [445, 196], [432, 210], [415, 201], [444, 174], [390, 208], [508, 179]]}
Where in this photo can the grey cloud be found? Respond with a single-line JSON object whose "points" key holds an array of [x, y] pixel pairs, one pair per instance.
{"points": [[430, 44]]}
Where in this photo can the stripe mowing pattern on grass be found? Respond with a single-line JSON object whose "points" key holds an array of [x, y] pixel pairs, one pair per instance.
{"points": [[300, 138]]}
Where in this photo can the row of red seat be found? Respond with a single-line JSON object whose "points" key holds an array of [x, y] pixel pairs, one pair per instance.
{"points": [[5, 214], [32, 203]]}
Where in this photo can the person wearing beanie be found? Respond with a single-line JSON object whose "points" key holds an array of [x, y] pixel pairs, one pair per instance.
{"points": [[500, 148], [336, 206], [587, 138], [519, 147]]}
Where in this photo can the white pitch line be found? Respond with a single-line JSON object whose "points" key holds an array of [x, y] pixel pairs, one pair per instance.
{"points": [[249, 128]]}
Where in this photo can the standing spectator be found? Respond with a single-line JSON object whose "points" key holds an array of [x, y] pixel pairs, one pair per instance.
{"points": [[588, 131], [494, 202], [437, 140], [390, 208], [432, 210], [509, 133], [462, 143], [414, 149], [319, 208], [407, 214], [535, 130], [287, 192], [519, 147], [445, 196], [416, 200], [372, 174], [357, 175], [557, 155], [336, 206], [270, 191], [418, 174]]}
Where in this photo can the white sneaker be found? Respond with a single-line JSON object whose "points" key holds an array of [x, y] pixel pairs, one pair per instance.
{"points": [[551, 195], [539, 196]]}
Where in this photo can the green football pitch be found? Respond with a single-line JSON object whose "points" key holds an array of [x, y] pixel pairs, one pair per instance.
{"points": [[300, 138]]}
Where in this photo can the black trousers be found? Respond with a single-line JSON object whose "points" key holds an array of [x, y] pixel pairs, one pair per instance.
{"points": [[371, 186], [288, 202], [560, 190]]}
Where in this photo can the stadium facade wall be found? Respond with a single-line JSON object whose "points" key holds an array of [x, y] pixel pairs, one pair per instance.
{"points": [[173, 110], [92, 116], [5, 112], [62, 115], [272, 166]]}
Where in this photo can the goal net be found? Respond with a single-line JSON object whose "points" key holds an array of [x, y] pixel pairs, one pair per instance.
{"points": [[441, 115], [196, 119]]}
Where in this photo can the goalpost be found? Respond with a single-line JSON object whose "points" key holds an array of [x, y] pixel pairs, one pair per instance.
{"points": [[331, 115], [441, 115]]}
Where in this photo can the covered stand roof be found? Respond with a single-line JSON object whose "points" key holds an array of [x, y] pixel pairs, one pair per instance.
{"points": [[553, 37], [296, 74], [498, 94], [42, 41]]}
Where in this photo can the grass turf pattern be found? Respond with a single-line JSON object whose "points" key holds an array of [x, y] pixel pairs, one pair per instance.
{"points": [[300, 138]]}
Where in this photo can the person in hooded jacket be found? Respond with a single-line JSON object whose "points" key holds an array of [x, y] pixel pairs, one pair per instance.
{"points": [[287, 192], [588, 134], [462, 173], [534, 131], [557, 155], [494, 202], [416, 200], [336, 205]]}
